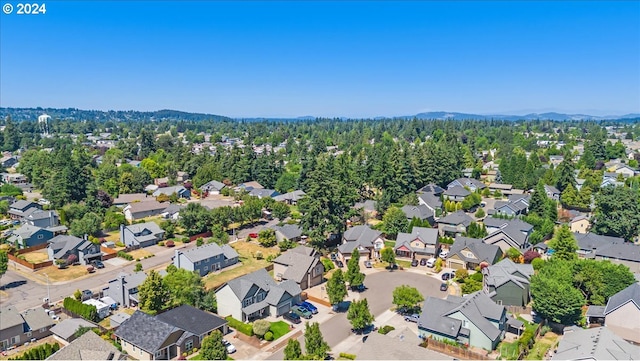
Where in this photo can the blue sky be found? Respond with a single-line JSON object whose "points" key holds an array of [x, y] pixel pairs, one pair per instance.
{"points": [[329, 58]]}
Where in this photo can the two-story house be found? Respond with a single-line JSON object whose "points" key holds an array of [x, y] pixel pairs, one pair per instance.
{"points": [[141, 234], [290, 198], [508, 234], [622, 313], [29, 236], [62, 246], [124, 288], [21, 209], [369, 242], [17, 328], [454, 224], [474, 320], [507, 283], [256, 295], [207, 258], [421, 212], [472, 184], [420, 243], [212, 187], [300, 264], [469, 253], [456, 193]]}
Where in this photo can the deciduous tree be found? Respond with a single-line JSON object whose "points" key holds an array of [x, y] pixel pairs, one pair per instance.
{"points": [[407, 298], [336, 288], [153, 293], [212, 347], [359, 314], [293, 351]]}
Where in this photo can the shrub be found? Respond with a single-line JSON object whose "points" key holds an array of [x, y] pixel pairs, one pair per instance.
{"points": [[477, 276], [328, 265], [480, 213], [268, 336], [537, 263], [240, 326], [138, 267], [186, 240], [438, 266], [123, 254], [260, 327], [88, 312], [199, 241], [271, 257], [347, 356], [386, 329], [137, 259], [526, 340], [170, 244], [462, 274], [258, 255], [544, 330], [161, 243], [119, 244]]}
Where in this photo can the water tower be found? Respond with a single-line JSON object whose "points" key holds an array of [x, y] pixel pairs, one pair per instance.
{"points": [[43, 123]]}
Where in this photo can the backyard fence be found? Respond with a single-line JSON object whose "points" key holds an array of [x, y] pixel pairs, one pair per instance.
{"points": [[519, 309], [451, 350], [33, 266], [108, 253]]}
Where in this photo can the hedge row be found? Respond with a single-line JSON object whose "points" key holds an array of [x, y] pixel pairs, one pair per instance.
{"points": [[240, 326], [125, 255], [41, 352], [88, 312]]}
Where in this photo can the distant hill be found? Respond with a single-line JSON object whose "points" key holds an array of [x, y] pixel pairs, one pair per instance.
{"points": [[19, 114]]}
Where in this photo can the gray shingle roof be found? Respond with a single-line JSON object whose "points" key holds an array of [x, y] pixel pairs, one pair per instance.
{"points": [[368, 205], [402, 346], [551, 189], [36, 318], [510, 233], [26, 230], [145, 332], [421, 212], [9, 317], [39, 214], [169, 190], [290, 196], [477, 307], [467, 182], [89, 346], [431, 188], [63, 243], [192, 319], [132, 197], [207, 251], [431, 199], [622, 251], [456, 218], [261, 278], [629, 294], [361, 235], [482, 251], [456, 191], [298, 264], [147, 206], [66, 328], [594, 344], [214, 184], [21, 204], [289, 231], [263, 193], [153, 227], [429, 236], [505, 271]]}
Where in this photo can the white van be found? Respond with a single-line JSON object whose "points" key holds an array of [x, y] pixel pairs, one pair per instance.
{"points": [[431, 262], [444, 254]]}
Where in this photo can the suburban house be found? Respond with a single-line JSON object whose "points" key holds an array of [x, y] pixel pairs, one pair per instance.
{"points": [[516, 205], [290, 198], [43, 219], [16, 179], [625, 253], [207, 258], [141, 234], [472, 184], [21, 209], [29, 236], [256, 295], [507, 283], [469, 253], [139, 210], [124, 289], [288, 232], [213, 187], [456, 193], [594, 344], [8, 161], [161, 182], [263, 193], [167, 335], [125, 199], [420, 212], [17, 328], [552, 192], [369, 242], [420, 243], [300, 264], [474, 320], [180, 191], [172, 211], [622, 313], [625, 170], [64, 331], [396, 345], [503, 188], [555, 160], [89, 346], [454, 224], [62, 246], [590, 243], [508, 234], [431, 188], [248, 186], [579, 224], [431, 201]]}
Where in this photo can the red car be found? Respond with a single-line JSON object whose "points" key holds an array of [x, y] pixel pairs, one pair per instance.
{"points": [[253, 235]]}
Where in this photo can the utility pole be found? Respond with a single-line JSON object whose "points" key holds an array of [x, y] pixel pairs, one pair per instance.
{"points": [[48, 291]]}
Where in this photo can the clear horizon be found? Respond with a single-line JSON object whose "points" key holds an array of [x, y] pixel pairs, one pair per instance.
{"points": [[325, 59]]}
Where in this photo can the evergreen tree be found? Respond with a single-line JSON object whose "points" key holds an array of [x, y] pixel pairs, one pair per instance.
{"points": [[353, 276], [315, 344], [539, 200], [153, 294], [566, 175], [293, 351], [336, 288], [564, 244]]}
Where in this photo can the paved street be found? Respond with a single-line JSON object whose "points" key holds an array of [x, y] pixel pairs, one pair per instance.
{"points": [[26, 288], [379, 296]]}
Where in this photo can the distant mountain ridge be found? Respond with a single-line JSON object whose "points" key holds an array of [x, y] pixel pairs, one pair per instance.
{"points": [[167, 114]]}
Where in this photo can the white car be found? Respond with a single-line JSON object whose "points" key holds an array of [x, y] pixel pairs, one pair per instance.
{"points": [[230, 347], [444, 254], [431, 262]]}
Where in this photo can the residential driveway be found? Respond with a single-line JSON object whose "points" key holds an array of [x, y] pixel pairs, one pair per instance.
{"points": [[244, 351]]}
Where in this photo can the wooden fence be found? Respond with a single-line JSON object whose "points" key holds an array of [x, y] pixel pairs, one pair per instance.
{"points": [[31, 249], [33, 266], [203, 235], [519, 309], [317, 300], [108, 253], [451, 350]]}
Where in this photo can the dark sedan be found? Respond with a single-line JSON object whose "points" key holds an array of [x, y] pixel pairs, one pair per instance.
{"points": [[292, 317], [448, 276]]}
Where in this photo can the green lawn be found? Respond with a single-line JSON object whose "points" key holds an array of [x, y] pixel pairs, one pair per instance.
{"points": [[389, 244], [508, 351], [279, 329]]}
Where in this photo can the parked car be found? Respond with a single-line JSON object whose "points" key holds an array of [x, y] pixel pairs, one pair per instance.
{"points": [[97, 263], [308, 306], [253, 235], [423, 261], [86, 294], [302, 312], [448, 276], [444, 254], [230, 347], [414, 263], [359, 288], [444, 286], [367, 264], [333, 256], [431, 262], [339, 264], [292, 317], [412, 318], [367, 329]]}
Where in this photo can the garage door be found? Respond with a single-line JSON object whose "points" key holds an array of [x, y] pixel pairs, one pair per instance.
{"points": [[455, 265], [282, 309]]}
